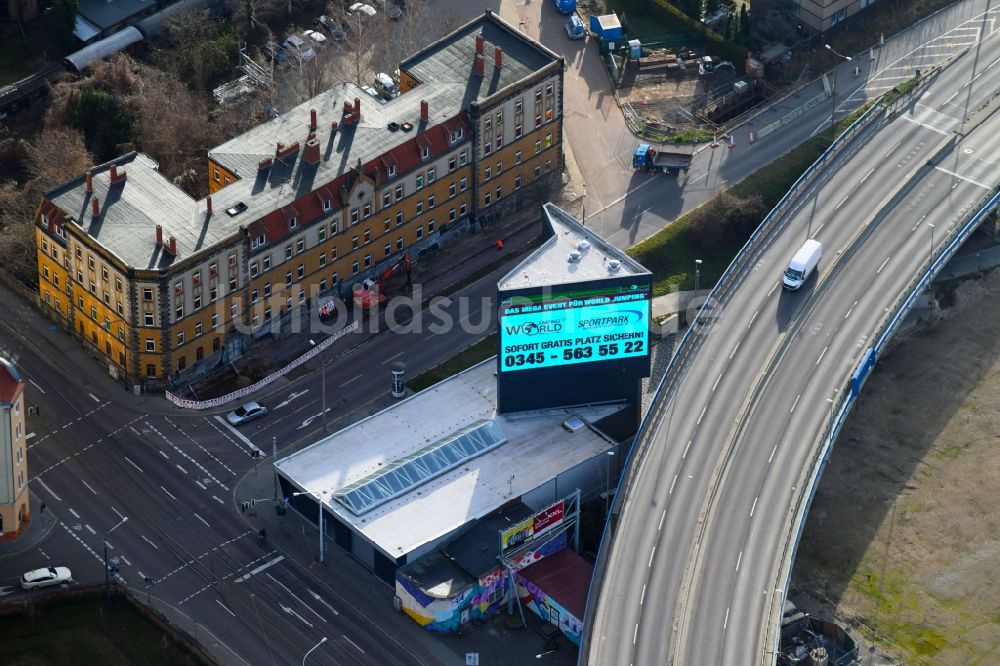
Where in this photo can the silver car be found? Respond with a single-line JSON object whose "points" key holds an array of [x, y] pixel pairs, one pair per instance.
{"points": [[46, 577], [391, 10], [245, 413]]}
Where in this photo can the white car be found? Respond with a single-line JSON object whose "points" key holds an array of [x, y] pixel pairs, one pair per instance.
{"points": [[245, 413], [46, 577], [317, 38], [363, 9]]}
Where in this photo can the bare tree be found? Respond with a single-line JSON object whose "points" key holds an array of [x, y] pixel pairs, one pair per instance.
{"points": [[57, 155], [357, 47], [17, 232], [419, 26], [301, 78]]}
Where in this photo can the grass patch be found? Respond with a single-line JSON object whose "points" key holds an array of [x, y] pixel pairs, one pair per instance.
{"points": [[671, 253], [88, 631], [690, 136], [901, 90], [463, 360]]}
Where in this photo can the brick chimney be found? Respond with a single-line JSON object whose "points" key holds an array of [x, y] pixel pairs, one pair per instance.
{"points": [[159, 235], [480, 65], [171, 246], [312, 119], [357, 107], [424, 112], [498, 58], [116, 175], [90, 183], [311, 153], [95, 206], [479, 44], [208, 202], [333, 127]]}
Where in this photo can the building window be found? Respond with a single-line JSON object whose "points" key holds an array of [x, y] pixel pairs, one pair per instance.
{"points": [[213, 294], [300, 246], [462, 158], [499, 193], [293, 222], [420, 180], [499, 142], [45, 248], [288, 278], [457, 135], [488, 173], [267, 289], [121, 309], [151, 344], [431, 175], [452, 163], [354, 242], [254, 296], [368, 236], [452, 189], [538, 121], [462, 184], [45, 271], [399, 219], [548, 139], [302, 297], [322, 285], [451, 215], [215, 174], [462, 209], [387, 224], [399, 243], [334, 278], [333, 253], [392, 171], [487, 199], [180, 338], [487, 148], [420, 207], [322, 259], [90, 262], [267, 314], [487, 125], [399, 192], [179, 312], [499, 167], [430, 226], [538, 146], [517, 183], [538, 171], [368, 261], [198, 328], [420, 232], [368, 210], [538, 96], [197, 302], [431, 201], [355, 216], [519, 105], [266, 263], [327, 205], [388, 249], [301, 272], [333, 228], [386, 199], [549, 90], [215, 320], [118, 284], [425, 152], [148, 319], [355, 268], [232, 284], [518, 131], [256, 243], [253, 269], [322, 234], [548, 166]]}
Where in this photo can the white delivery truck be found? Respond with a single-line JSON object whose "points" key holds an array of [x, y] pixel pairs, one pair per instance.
{"points": [[802, 265]]}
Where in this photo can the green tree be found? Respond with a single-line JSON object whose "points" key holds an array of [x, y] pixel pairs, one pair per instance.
{"points": [[104, 123], [61, 17], [744, 21]]}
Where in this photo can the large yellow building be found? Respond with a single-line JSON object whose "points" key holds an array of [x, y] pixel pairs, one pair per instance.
{"points": [[302, 207]]}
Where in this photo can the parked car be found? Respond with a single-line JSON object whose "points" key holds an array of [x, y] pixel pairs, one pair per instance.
{"points": [[317, 39], [245, 413], [363, 10], [385, 85], [574, 27], [331, 28], [297, 47], [46, 577], [391, 10]]}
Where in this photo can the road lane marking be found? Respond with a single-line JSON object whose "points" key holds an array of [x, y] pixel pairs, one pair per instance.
{"points": [[795, 403], [149, 542], [642, 596], [161, 452], [51, 492], [865, 177], [200, 484], [137, 433], [754, 507], [125, 560], [726, 621], [354, 644], [253, 572], [132, 463], [291, 611], [202, 520], [180, 468], [771, 290], [883, 265], [822, 354], [75, 514], [752, 318], [96, 399], [30, 435], [91, 529], [36, 385], [651, 554], [733, 353], [716, 384], [965, 178], [738, 560], [394, 356], [224, 608], [236, 432], [851, 310], [84, 483], [218, 500], [671, 491], [686, 449], [894, 147], [352, 379], [169, 494], [703, 410], [773, 451], [118, 512], [294, 596], [659, 528], [842, 202], [142, 575], [322, 601], [635, 633]]}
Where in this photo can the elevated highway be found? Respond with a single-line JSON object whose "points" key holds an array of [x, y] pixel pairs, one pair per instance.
{"points": [[696, 557]]}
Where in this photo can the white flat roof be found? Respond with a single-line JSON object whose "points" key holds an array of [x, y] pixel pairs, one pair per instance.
{"points": [[536, 450], [550, 264]]}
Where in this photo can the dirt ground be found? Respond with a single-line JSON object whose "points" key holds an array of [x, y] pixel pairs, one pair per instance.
{"points": [[902, 536]]}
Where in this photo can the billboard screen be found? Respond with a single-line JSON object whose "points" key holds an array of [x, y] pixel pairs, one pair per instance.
{"points": [[552, 330]]}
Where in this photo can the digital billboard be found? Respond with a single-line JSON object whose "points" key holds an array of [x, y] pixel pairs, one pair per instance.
{"points": [[553, 330]]}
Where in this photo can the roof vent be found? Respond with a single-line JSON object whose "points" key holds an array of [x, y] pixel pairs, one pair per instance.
{"points": [[614, 265], [572, 424], [406, 127], [393, 126], [583, 245], [574, 256]]}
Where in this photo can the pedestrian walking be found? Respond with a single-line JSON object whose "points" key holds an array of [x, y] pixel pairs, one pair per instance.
{"points": [[499, 245]]}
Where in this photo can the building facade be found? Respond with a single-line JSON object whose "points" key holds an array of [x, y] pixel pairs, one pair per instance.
{"points": [[300, 208], [14, 508], [822, 15]]}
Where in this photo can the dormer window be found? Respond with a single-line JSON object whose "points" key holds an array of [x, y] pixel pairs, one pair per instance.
{"points": [[257, 242], [327, 205], [425, 152], [457, 135], [45, 219], [392, 170], [293, 222]]}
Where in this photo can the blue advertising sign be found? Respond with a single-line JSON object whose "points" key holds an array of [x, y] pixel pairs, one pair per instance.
{"points": [[574, 330]]}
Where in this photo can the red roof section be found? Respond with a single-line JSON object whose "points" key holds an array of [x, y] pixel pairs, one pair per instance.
{"points": [[564, 576], [10, 382]]}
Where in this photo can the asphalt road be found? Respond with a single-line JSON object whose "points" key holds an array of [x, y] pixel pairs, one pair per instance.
{"points": [[707, 516]]}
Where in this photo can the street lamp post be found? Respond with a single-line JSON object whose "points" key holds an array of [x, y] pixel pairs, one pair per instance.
{"points": [[311, 649], [607, 480], [697, 274], [319, 521], [833, 91], [323, 380], [107, 576]]}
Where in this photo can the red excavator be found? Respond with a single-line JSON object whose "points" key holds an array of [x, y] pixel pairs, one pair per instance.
{"points": [[371, 293]]}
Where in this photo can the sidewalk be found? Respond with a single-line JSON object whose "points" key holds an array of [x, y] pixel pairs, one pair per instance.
{"points": [[38, 529]]}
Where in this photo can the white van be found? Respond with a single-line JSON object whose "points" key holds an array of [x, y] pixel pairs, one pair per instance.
{"points": [[386, 85], [802, 265]]}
